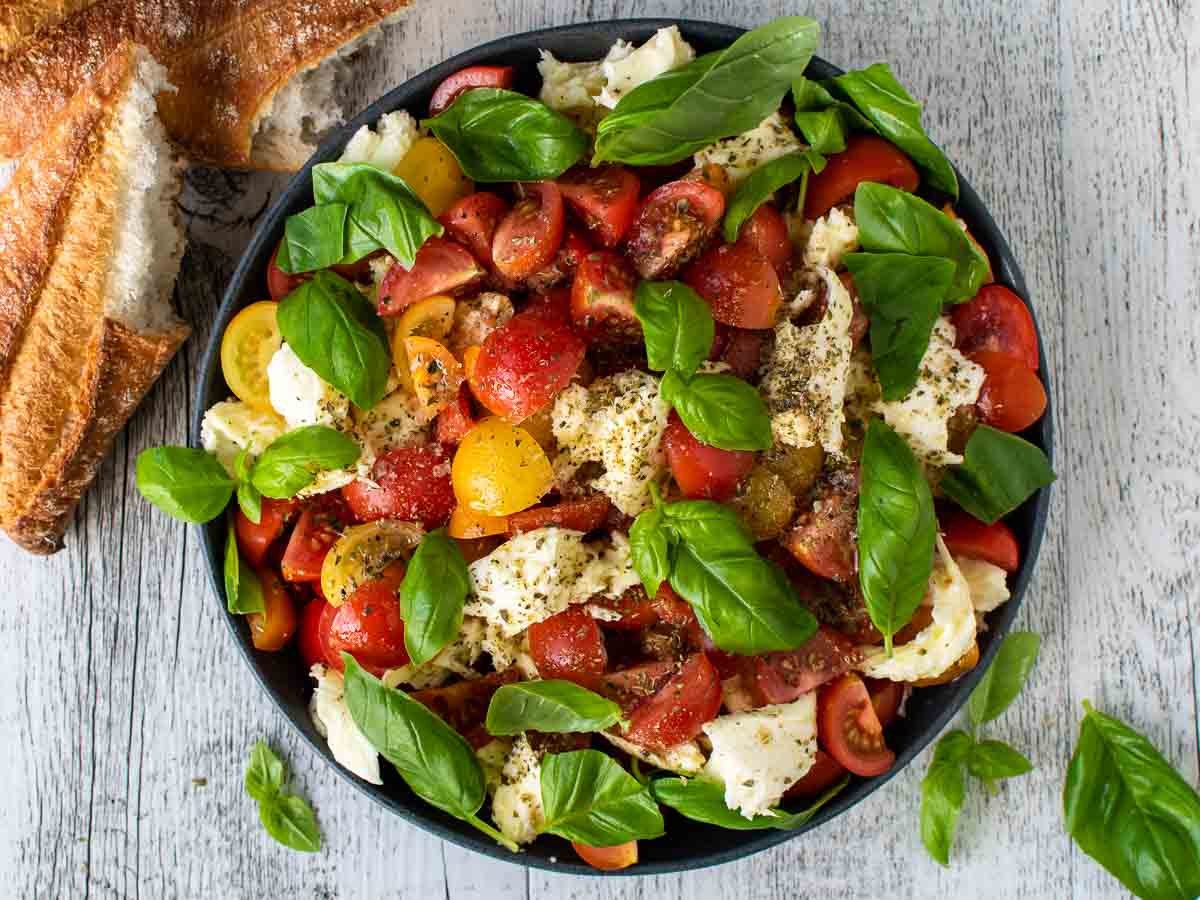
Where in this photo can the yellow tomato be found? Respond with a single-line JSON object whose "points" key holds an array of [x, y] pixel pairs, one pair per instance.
{"points": [[250, 341], [432, 317], [362, 553], [540, 425], [466, 524], [470, 357], [500, 469], [434, 174], [435, 374]]}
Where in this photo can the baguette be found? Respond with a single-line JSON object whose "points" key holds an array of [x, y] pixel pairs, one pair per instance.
{"points": [[90, 246]]}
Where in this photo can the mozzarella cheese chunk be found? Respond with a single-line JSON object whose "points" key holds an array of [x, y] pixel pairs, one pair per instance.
{"points": [[385, 147], [509, 652], [232, 426], [829, 238], [395, 421], [625, 68], [759, 754], [804, 381], [569, 88], [492, 757], [618, 422], [939, 645], [331, 717], [302, 396], [988, 583], [517, 801], [685, 758], [742, 154]]}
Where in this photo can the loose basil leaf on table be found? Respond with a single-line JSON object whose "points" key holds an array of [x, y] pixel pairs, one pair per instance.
{"points": [[1128, 809], [896, 530], [999, 472], [432, 595], [293, 460], [757, 187], [265, 774], [184, 482], [942, 793], [715, 96], [992, 760], [720, 410], [249, 498], [500, 135], [1005, 677], [334, 330], [587, 797], [704, 801], [677, 324], [243, 590], [313, 239], [287, 818], [551, 705]]}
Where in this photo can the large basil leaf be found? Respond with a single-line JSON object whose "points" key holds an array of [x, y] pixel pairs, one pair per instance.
{"points": [[1129, 810], [184, 482], [334, 330], [720, 410], [551, 705], [716, 96], [704, 801], [432, 596], [499, 135], [1005, 677], [677, 324], [757, 187], [896, 530], [243, 590], [313, 239], [587, 797], [942, 793], [292, 461], [651, 545], [999, 472]]}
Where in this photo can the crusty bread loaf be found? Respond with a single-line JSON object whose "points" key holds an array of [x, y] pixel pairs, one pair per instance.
{"points": [[258, 80], [89, 249]]}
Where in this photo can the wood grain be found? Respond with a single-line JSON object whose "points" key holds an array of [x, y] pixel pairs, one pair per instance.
{"points": [[129, 718]]}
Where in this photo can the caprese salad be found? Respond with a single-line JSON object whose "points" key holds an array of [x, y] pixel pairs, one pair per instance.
{"points": [[640, 444]]}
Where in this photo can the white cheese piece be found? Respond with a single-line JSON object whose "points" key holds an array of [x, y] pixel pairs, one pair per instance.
{"points": [[685, 758], [456, 658], [331, 717], [397, 420], [476, 318], [492, 757], [302, 396], [508, 652], [517, 801], [742, 154], [830, 238], [618, 422], [625, 68], [804, 382], [759, 754], [385, 147], [231, 426], [988, 583], [570, 88], [939, 645]]}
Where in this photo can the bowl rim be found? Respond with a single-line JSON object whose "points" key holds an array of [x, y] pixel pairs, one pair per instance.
{"points": [[417, 812]]}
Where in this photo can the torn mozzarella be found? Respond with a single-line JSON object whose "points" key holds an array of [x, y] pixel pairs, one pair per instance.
{"points": [[331, 717], [742, 154], [625, 68]]}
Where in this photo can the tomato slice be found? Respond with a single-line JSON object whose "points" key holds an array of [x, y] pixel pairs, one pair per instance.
{"points": [[409, 483], [996, 319], [672, 225], [569, 645], [368, 625], [272, 628], [317, 529], [605, 198], [608, 859], [464, 80], [634, 685], [571, 253], [637, 611], [524, 363], [553, 304], [867, 157], [529, 236], [886, 697], [1012, 397], [783, 676], [849, 729], [602, 299], [279, 282], [249, 342], [585, 514], [473, 220], [766, 233], [700, 470], [255, 539], [967, 536], [680, 708], [308, 638], [441, 266], [824, 774], [739, 284], [456, 419], [464, 705], [823, 537]]}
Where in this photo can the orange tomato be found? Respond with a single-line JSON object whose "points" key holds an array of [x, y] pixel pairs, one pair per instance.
{"points": [[500, 469], [272, 628], [466, 524], [622, 856], [435, 374]]}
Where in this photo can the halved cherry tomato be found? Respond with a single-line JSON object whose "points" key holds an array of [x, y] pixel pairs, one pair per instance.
{"points": [[743, 350], [440, 267], [434, 174], [585, 514], [867, 157], [886, 697], [637, 611], [472, 222], [680, 708], [464, 705], [368, 625], [823, 537], [605, 198], [255, 539], [524, 363], [500, 469], [849, 729], [435, 374], [564, 265], [766, 233], [602, 299], [308, 638], [529, 236], [967, 536], [466, 524], [632, 686], [318, 528], [431, 318], [783, 676], [996, 319], [279, 282], [700, 470], [672, 225], [1012, 397], [363, 553], [739, 284], [553, 304], [272, 628], [410, 483], [608, 859], [466, 79], [456, 419], [824, 774], [249, 342], [569, 645]]}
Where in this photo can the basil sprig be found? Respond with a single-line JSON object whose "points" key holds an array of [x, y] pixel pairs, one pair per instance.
{"points": [[552, 705], [943, 790], [757, 187], [1005, 677], [587, 797], [1128, 809], [500, 135], [999, 472], [287, 818], [432, 596], [243, 590], [293, 460], [334, 330], [184, 482], [715, 96], [704, 801]]}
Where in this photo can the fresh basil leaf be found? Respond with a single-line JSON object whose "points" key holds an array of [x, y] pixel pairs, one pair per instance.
{"points": [[1005, 677], [249, 499], [942, 793], [711, 527], [720, 410], [184, 482], [499, 135], [991, 760], [704, 801], [265, 774], [587, 797], [290, 821], [551, 705], [999, 472], [1129, 810], [313, 239], [715, 96], [432, 596], [824, 120], [903, 296], [243, 590], [896, 530], [293, 460], [651, 544], [757, 187], [677, 324], [334, 330]]}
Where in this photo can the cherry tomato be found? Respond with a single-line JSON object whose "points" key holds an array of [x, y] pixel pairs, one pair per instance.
{"points": [[967, 536], [466, 79], [700, 470], [500, 469], [849, 729], [318, 528], [632, 686], [739, 284], [859, 321], [466, 524], [636, 609], [608, 859], [602, 299], [368, 625], [867, 157], [680, 708], [886, 697], [440, 267], [996, 319], [529, 236], [566, 261], [434, 174], [823, 537], [553, 304], [742, 350], [783, 676], [1012, 397], [524, 363], [464, 705], [672, 225], [272, 628], [605, 198], [456, 419], [279, 282], [363, 553], [409, 483], [308, 638], [472, 222], [569, 645], [766, 233], [477, 548], [254, 540], [585, 514], [249, 342], [824, 774]]}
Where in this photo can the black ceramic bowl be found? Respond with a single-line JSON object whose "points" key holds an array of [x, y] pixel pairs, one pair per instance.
{"points": [[686, 844]]}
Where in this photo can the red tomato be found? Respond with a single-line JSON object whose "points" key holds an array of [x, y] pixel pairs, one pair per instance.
{"points": [[308, 639], [319, 525], [473, 220], [441, 267], [849, 729], [967, 536], [368, 625], [410, 483], [702, 471], [572, 252], [585, 514], [636, 609], [1012, 397], [455, 420], [766, 233], [569, 645], [605, 198], [886, 697], [524, 363], [743, 351], [867, 157], [824, 774], [679, 709], [823, 538], [783, 676], [608, 859], [529, 236], [254, 540], [632, 686], [996, 319], [739, 284], [279, 282], [602, 299], [464, 705], [272, 628], [553, 304], [672, 225], [466, 79]]}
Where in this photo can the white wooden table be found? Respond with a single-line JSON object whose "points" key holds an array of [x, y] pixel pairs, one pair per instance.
{"points": [[128, 717]]}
